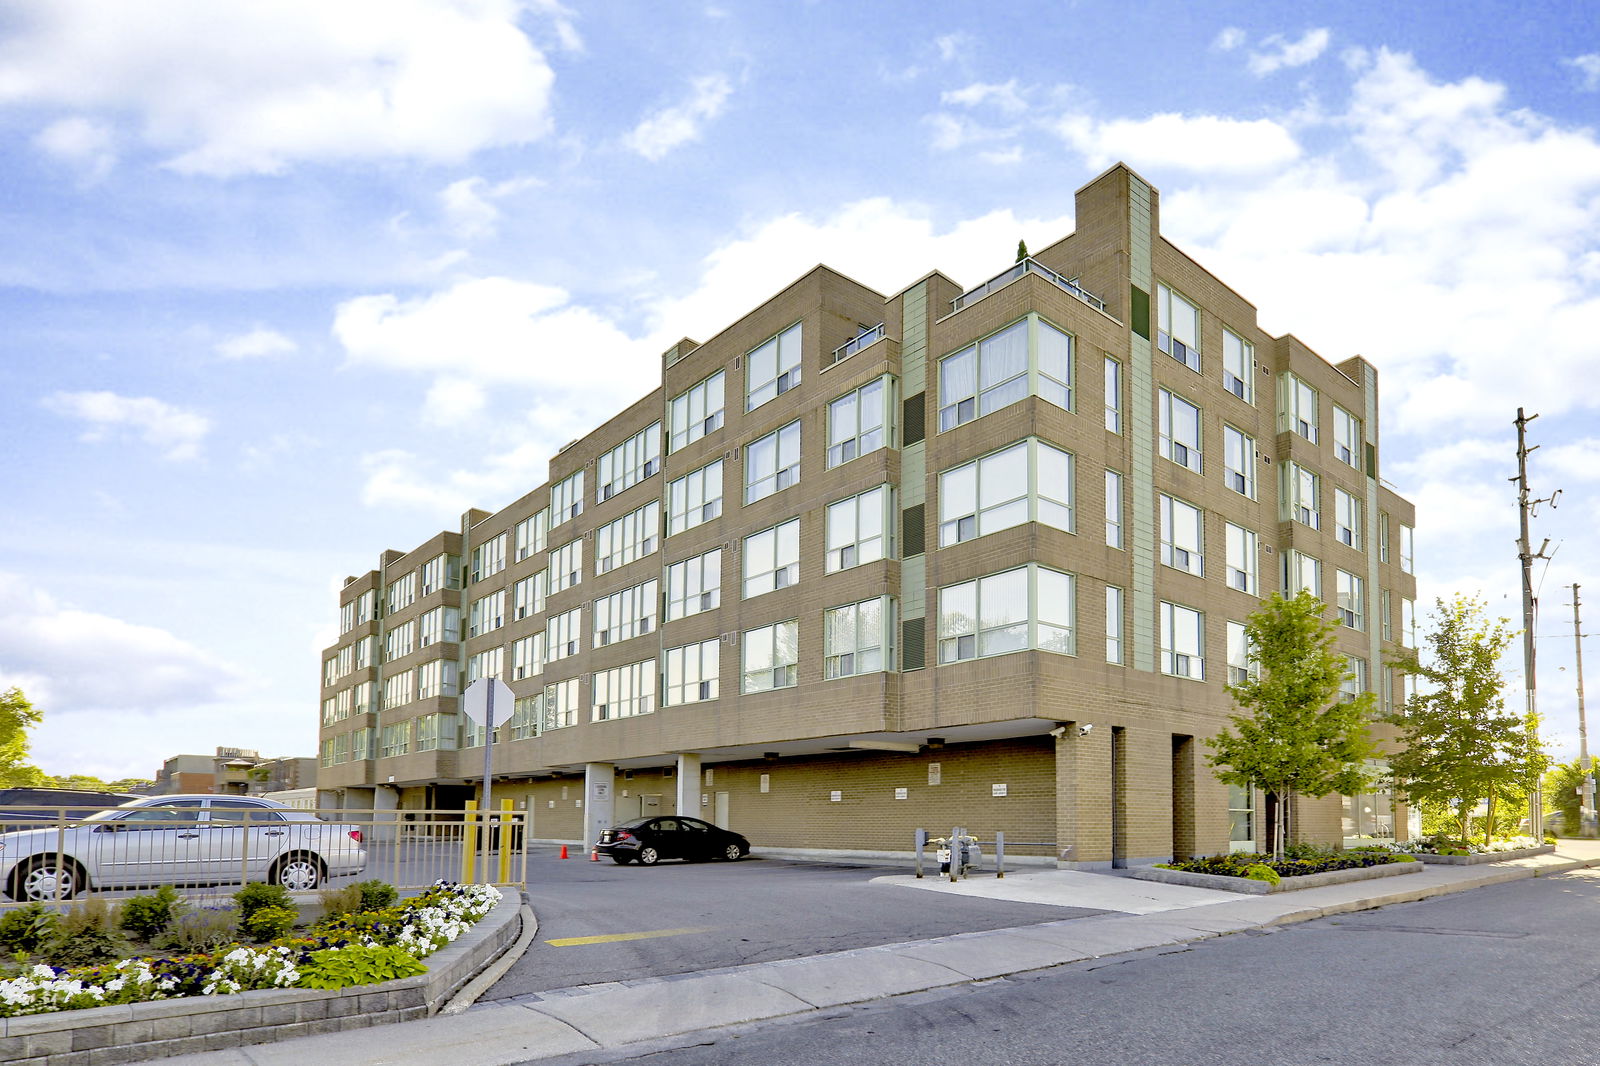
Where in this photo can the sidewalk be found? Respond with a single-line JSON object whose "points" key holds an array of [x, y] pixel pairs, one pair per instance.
{"points": [[1149, 914]]}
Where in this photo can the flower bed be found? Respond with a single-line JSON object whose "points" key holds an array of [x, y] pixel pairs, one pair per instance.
{"points": [[1258, 874], [1452, 852], [349, 950]]}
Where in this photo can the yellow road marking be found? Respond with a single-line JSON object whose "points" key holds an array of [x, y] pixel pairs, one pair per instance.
{"points": [[572, 941]]}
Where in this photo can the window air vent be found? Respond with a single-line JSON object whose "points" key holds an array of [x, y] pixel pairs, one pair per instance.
{"points": [[913, 534], [914, 419], [913, 644]]}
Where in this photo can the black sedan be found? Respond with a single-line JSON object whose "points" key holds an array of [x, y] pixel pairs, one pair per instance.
{"points": [[670, 837]]}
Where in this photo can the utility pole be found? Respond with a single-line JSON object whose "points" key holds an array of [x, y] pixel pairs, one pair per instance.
{"points": [[1525, 552], [1586, 814]]}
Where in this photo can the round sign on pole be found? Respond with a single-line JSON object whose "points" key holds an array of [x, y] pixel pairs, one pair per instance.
{"points": [[475, 702]]}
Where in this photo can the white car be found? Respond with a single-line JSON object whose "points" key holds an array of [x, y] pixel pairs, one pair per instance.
{"points": [[179, 840]]}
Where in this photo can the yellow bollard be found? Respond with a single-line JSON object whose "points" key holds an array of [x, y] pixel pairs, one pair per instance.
{"points": [[505, 842], [469, 843]]}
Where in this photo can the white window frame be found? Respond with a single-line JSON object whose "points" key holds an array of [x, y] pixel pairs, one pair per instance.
{"points": [[852, 432], [533, 534], [696, 411], [689, 502], [563, 635], [851, 536], [528, 595], [489, 558], [778, 362], [1178, 327], [771, 559], [957, 408], [1239, 461], [527, 657], [1242, 665], [857, 638], [490, 662], [773, 651], [1185, 449], [625, 614], [1183, 641], [690, 673], [1300, 482], [1347, 518], [1346, 437], [694, 585], [1182, 535], [1407, 549], [966, 514], [627, 539], [1114, 527], [1243, 559], [1048, 623], [623, 691], [561, 702], [566, 499], [1350, 599], [396, 740], [1238, 366], [1297, 403], [629, 463], [1114, 608], [486, 613], [1301, 571], [566, 566], [772, 463], [1113, 395]]}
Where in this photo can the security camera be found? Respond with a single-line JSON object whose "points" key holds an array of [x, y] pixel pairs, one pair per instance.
{"points": [[1085, 730], [1059, 731]]}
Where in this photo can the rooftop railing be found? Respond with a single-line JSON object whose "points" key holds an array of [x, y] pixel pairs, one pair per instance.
{"points": [[1026, 266], [865, 338]]}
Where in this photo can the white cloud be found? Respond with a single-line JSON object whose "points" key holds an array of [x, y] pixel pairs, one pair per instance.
{"points": [[1588, 68], [174, 430], [402, 480], [1229, 38], [1003, 96], [1577, 460], [259, 343], [1202, 143], [81, 142], [469, 204], [70, 661], [259, 85], [662, 131], [453, 401], [952, 46], [1286, 53]]}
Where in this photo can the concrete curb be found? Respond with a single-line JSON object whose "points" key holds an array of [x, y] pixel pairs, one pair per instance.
{"points": [[1492, 856], [1246, 886], [497, 969]]}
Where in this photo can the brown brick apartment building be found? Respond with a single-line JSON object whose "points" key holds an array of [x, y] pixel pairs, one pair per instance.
{"points": [[863, 563]]}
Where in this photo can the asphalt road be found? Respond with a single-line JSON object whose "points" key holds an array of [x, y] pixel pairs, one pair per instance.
{"points": [[1504, 975], [686, 917]]}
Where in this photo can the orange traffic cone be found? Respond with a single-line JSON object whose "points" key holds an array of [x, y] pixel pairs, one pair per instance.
{"points": [[594, 856], [563, 851]]}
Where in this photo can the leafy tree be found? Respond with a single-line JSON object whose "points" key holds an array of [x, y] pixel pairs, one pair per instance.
{"points": [[1462, 745], [1022, 250], [1301, 737], [17, 716], [1561, 786]]}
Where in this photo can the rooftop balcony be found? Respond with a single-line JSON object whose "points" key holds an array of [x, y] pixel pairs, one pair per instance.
{"points": [[865, 339], [1026, 266]]}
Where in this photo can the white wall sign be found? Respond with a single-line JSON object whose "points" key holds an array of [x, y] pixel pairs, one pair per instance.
{"points": [[901, 793], [997, 790], [933, 773], [836, 797]]}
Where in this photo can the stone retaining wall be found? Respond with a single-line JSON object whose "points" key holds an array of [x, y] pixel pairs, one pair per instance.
{"points": [[138, 1032], [1288, 884], [1492, 856]]}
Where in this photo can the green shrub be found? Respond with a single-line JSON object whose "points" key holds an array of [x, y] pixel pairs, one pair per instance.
{"points": [[256, 895], [1404, 858], [86, 934], [147, 917], [201, 929], [28, 928], [337, 901], [268, 923], [356, 964], [1260, 871], [376, 895]]}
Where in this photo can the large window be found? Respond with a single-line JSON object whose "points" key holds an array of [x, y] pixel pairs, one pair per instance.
{"points": [[856, 530], [998, 371], [1113, 509], [487, 663], [858, 422], [566, 499], [1180, 430], [489, 558], [1301, 572], [1113, 624], [625, 615], [696, 411], [1346, 437], [1408, 622], [1178, 327], [1182, 527], [1297, 407], [623, 691], [1030, 481], [396, 740], [694, 498], [364, 743], [436, 678], [399, 641], [1301, 489], [487, 613], [1113, 390], [398, 689], [772, 463], [561, 704], [436, 731], [633, 536], [1239, 462], [694, 585], [771, 656], [856, 638], [1029, 607], [527, 657], [532, 535], [566, 565], [1351, 599], [1238, 366], [1408, 560], [1242, 555], [402, 593], [1183, 643], [772, 558], [1241, 667], [527, 595], [1347, 518], [564, 635], [773, 368], [690, 673], [628, 463], [526, 715]]}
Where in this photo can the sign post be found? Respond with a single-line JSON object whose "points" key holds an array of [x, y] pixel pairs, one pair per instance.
{"points": [[488, 702]]}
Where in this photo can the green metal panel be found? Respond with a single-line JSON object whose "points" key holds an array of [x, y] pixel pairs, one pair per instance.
{"points": [[914, 587], [1369, 430], [914, 340], [1139, 310], [1142, 436]]}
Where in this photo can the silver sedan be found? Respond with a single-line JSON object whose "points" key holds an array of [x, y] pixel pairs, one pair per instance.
{"points": [[179, 840]]}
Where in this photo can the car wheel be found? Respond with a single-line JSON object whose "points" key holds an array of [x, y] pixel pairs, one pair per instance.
{"points": [[622, 860], [649, 856], [733, 853], [299, 873], [43, 880]]}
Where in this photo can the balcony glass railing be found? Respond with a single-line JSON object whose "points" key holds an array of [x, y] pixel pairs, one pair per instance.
{"points": [[1026, 266], [865, 338]]}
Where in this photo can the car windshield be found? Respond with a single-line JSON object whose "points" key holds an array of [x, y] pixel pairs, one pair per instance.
{"points": [[114, 812]]}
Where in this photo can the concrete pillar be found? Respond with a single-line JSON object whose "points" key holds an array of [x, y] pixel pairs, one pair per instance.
{"points": [[689, 784], [385, 825], [599, 800]]}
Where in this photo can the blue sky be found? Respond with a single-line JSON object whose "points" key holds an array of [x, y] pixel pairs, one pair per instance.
{"points": [[288, 283]]}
